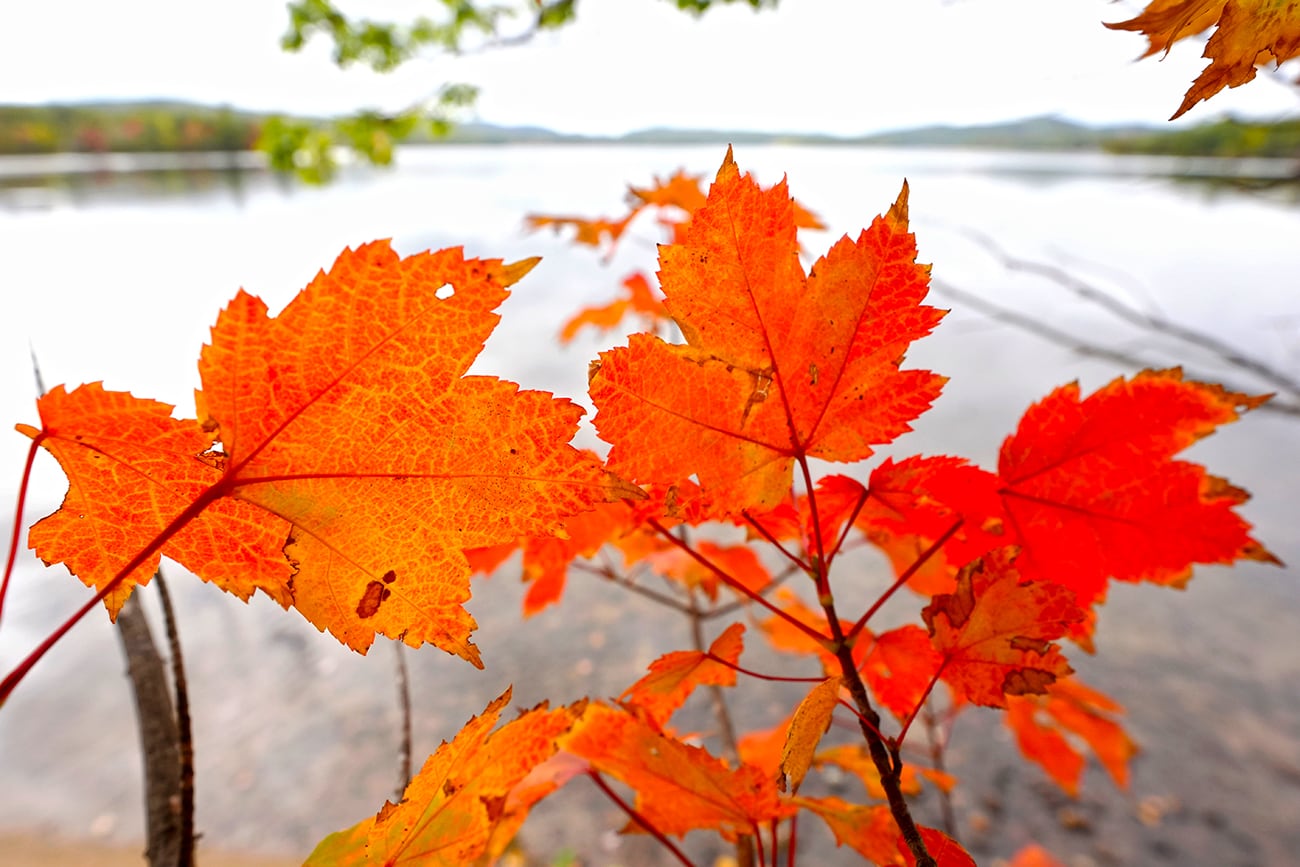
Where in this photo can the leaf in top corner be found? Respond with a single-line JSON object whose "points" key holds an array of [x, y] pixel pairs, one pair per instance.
{"points": [[1248, 33], [777, 364]]}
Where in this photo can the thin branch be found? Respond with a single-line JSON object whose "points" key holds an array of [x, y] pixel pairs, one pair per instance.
{"points": [[404, 706], [937, 745], [639, 819], [772, 677], [17, 532], [767, 534], [184, 731], [1225, 351], [627, 583], [905, 577], [884, 754], [744, 847], [159, 747], [1078, 345], [736, 604], [736, 585], [848, 524]]}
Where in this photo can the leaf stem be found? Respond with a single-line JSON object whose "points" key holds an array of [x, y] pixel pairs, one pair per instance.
{"points": [[636, 816], [736, 585], [18, 520], [848, 525], [189, 513], [819, 573], [772, 540], [746, 671], [905, 577]]}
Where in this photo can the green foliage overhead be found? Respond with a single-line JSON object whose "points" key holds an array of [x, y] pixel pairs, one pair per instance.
{"points": [[452, 27]]}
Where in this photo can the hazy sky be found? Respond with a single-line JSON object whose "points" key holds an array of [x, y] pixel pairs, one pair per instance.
{"points": [[838, 66]]}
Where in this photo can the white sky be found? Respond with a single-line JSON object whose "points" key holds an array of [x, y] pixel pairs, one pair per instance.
{"points": [[837, 66]]}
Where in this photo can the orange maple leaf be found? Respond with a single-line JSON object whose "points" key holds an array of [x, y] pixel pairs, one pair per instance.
{"points": [[899, 667], [456, 806], [342, 460], [1249, 33], [914, 502], [855, 759], [995, 632], [679, 787], [740, 562], [1069, 708], [1034, 855], [639, 299], [777, 365], [1092, 491], [674, 676], [868, 830], [946, 851]]}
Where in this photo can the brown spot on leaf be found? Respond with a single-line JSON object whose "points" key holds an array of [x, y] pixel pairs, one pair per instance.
{"points": [[1027, 681], [369, 604], [390, 576]]}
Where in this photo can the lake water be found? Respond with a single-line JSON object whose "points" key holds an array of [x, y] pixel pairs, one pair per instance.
{"points": [[117, 277]]}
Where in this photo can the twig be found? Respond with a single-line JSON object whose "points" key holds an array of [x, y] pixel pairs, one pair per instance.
{"points": [[404, 703], [184, 733], [744, 847], [636, 816], [736, 585], [1226, 352], [1083, 347], [159, 746], [937, 743]]}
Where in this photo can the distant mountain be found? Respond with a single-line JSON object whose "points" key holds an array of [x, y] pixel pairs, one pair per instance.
{"points": [[1035, 133], [169, 125]]}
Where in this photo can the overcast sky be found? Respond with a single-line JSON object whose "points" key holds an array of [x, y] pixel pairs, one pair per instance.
{"points": [[837, 66]]}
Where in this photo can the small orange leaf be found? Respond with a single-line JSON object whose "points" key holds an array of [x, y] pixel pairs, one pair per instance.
{"points": [[869, 831], [1042, 723], [811, 720], [945, 851], [916, 501], [995, 632], [449, 812], [674, 676], [900, 667], [679, 787], [1034, 855]]}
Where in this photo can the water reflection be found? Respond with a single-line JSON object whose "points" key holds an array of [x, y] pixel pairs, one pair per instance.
{"points": [[30, 183], [85, 180]]}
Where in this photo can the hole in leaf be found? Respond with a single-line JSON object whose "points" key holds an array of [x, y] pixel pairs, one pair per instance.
{"points": [[445, 292]]}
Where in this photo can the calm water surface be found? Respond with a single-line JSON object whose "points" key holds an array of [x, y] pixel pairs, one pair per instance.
{"points": [[118, 277]]}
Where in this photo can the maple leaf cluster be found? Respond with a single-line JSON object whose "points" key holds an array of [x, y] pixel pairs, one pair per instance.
{"points": [[344, 463]]}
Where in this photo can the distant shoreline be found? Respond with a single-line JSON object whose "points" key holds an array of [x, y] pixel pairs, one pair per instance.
{"points": [[184, 128]]}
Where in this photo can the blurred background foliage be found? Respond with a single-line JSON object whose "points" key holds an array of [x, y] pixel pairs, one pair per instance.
{"points": [[454, 26]]}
